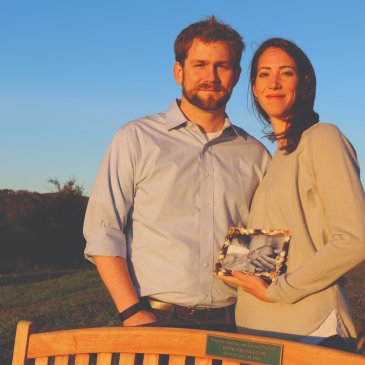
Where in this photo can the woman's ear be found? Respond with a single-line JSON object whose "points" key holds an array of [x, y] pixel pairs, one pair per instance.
{"points": [[254, 91], [304, 87]]}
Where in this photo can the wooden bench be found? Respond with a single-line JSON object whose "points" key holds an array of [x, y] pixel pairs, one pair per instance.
{"points": [[170, 346]]}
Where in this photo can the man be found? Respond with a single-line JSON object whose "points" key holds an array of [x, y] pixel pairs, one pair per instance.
{"points": [[169, 187]]}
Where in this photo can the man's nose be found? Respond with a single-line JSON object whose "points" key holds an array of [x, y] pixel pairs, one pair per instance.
{"points": [[211, 74]]}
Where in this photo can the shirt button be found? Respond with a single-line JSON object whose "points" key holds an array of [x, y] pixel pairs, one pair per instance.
{"points": [[206, 204], [206, 173], [206, 264], [206, 234]]}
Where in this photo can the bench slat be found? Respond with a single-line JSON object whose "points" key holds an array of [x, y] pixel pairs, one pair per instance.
{"points": [[126, 359]]}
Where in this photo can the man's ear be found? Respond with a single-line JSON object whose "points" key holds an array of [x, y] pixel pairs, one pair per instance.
{"points": [[178, 73], [237, 75]]}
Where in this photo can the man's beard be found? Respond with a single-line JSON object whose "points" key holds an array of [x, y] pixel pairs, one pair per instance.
{"points": [[208, 104]]}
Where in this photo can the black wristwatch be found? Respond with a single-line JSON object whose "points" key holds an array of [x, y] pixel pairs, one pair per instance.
{"points": [[133, 309]]}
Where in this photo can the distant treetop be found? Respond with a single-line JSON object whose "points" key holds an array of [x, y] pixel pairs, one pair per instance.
{"points": [[70, 187]]}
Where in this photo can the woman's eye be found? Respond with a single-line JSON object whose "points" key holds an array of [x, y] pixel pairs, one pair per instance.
{"points": [[288, 73], [262, 74]]}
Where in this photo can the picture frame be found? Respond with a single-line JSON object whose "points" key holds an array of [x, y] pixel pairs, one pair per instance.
{"points": [[262, 252]]}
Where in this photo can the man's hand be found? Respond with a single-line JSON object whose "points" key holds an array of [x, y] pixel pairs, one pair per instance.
{"points": [[140, 318], [263, 262], [249, 283]]}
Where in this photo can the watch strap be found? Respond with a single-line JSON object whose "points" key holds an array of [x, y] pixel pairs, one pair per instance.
{"points": [[130, 311]]}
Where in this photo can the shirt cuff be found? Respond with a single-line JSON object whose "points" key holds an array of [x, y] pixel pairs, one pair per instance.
{"points": [[105, 242], [280, 291]]}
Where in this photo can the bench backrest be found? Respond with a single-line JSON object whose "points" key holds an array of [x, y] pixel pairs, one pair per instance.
{"points": [[164, 346]]}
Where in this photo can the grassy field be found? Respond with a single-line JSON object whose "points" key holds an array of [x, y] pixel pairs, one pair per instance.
{"points": [[71, 300], [355, 285], [68, 299]]}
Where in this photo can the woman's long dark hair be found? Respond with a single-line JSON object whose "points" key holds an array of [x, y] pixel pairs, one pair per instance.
{"points": [[302, 116]]}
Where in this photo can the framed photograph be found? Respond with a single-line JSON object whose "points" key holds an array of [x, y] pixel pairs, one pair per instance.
{"points": [[260, 251]]}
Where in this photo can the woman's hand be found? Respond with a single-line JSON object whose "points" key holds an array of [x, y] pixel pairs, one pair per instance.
{"points": [[249, 282]]}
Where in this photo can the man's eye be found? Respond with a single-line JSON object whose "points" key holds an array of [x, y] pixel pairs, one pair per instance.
{"points": [[198, 65]]}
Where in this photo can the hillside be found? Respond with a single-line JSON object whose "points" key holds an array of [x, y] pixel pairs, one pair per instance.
{"points": [[39, 231]]}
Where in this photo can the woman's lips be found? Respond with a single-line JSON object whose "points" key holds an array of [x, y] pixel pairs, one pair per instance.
{"points": [[275, 96]]}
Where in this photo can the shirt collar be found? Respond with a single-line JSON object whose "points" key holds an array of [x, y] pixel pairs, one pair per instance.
{"points": [[237, 130], [175, 117]]}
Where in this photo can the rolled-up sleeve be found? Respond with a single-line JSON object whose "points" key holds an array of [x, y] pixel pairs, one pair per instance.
{"points": [[105, 242], [111, 200]]}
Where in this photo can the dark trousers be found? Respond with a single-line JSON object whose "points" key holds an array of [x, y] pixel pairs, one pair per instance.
{"points": [[338, 343], [214, 325]]}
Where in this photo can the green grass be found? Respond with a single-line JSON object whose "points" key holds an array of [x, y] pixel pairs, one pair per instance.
{"points": [[77, 299], [355, 286], [74, 300]]}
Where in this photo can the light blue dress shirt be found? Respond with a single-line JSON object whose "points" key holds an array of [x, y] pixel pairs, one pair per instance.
{"points": [[164, 198]]}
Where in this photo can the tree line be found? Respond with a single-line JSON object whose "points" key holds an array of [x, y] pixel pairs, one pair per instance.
{"points": [[42, 231]]}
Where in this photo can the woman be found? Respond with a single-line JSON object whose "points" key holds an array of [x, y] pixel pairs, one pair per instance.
{"points": [[312, 189]]}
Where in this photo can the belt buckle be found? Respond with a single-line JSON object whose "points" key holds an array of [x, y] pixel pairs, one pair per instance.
{"points": [[191, 312], [204, 314]]}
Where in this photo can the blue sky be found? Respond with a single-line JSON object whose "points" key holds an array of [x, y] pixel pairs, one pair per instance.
{"points": [[72, 72]]}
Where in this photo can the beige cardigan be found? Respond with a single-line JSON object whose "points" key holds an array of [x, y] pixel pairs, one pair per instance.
{"points": [[314, 192]]}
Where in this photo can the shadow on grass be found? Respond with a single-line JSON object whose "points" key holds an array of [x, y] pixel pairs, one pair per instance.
{"points": [[32, 277]]}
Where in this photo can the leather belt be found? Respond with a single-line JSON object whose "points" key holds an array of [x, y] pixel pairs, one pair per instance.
{"points": [[192, 312]]}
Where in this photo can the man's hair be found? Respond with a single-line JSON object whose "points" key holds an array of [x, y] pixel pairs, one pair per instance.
{"points": [[208, 30]]}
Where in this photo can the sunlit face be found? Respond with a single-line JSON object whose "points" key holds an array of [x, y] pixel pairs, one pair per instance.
{"points": [[277, 83], [208, 75]]}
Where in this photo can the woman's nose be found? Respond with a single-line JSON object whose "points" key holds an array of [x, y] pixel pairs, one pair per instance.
{"points": [[275, 82]]}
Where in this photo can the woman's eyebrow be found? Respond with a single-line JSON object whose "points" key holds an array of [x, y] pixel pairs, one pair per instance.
{"points": [[280, 67]]}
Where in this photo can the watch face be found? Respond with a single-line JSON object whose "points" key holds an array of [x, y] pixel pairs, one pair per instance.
{"points": [[260, 251]]}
